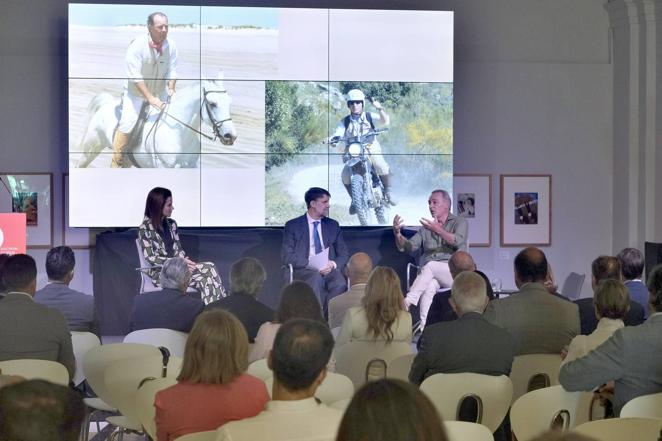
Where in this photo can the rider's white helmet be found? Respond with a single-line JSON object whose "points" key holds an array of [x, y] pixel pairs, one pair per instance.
{"points": [[355, 95]]}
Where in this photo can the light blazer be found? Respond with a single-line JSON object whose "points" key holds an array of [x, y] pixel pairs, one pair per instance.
{"points": [[30, 330], [539, 322], [154, 248], [339, 305], [296, 242]]}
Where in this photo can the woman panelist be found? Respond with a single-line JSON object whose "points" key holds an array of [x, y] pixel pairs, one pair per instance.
{"points": [[159, 241]]}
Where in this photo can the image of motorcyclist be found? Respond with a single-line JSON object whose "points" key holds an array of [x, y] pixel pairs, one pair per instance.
{"points": [[359, 122]]}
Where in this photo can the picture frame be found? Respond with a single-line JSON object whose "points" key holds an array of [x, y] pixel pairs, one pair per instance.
{"points": [[472, 199], [75, 238], [526, 210], [32, 194]]}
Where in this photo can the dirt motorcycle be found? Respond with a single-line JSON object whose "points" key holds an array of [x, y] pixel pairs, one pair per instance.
{"points": [[366, 188]]}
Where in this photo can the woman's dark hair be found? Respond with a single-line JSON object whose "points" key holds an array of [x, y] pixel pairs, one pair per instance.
{"points": [[391, 410], [298, 300], [156, 200]]}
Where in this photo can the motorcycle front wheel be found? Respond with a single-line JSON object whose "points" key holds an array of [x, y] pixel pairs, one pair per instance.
{"points": [[357, 186]]}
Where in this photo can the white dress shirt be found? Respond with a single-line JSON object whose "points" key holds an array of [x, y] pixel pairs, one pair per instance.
{"points": [[311, 238]]}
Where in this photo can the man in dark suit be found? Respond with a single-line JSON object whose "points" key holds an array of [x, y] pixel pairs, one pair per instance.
{"points": [[468, 344], [247, 277], [78, 308], [632, 269], [603, 268], [29, 330], [170, 308], [306, 236]]}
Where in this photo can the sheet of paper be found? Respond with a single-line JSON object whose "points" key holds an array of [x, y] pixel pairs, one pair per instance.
{"points": [[319, 261]]}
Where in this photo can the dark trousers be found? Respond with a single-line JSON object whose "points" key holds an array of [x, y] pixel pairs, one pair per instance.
{"points": [[325, 287]]}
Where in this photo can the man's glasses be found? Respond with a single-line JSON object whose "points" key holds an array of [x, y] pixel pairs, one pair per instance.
{"points": [[354, 103]]}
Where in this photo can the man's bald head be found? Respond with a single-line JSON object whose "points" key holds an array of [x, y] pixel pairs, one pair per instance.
{"points": [[461, 261], [359, 268], [530, 266]]}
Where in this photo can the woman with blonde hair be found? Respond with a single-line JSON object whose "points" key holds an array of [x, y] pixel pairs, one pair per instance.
{"points": [[213, 387], [382, 315]]}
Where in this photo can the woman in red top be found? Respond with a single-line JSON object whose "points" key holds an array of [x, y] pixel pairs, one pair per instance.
{"points": [[212, 388]]}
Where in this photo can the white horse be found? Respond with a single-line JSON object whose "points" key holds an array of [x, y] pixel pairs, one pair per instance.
{"points": [[171, 141]]}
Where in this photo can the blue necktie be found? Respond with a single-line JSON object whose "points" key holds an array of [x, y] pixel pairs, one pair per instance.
{"points": [[316, 238]]}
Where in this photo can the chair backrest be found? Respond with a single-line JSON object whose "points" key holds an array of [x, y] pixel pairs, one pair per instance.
{"points": [[534, 371], [32, 369], [619, 429], [146, 283], [540, 410], [97, 359], [447, 391], [341, 405], [464, 431], [260, 369], [175, 341], [399, 368], [145, 409], [123, 378], [334, 388], [199, 436], [572, 286], [645, 406], [82, 342], [353, 357]]}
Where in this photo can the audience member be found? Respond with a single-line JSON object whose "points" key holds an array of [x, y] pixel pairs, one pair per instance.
{"points": [[469, 344], [539, 322], [603, 268], [301, 351], [382, 316], [213, 387], [611, 303], [631, 357], [391, 410], [557, 435], [297, 300], [632, 269], [247, 277], [358, 270], [3, 288], [77, 307], [37, 410], [30, 330], [6, 380], [171, 307]]}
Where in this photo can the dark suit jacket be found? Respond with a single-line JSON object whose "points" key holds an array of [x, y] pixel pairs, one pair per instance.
{"points": [[589, 321], [78, 308], [296, 244], [167, 308], [247, 309], [468, 344], [30, 330], [638, 293]]}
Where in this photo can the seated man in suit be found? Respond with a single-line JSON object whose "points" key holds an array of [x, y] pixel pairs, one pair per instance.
{"points": [[172, 307], [78, 308], [632, 269], [468, 344], [247, 277], [27, 329], [604, 268], [539, 322], [631, 357], [307, 236], [301, 351], [358, 270]]}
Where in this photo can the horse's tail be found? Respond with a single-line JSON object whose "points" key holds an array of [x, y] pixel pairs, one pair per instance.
{"points": [[97, 102]]}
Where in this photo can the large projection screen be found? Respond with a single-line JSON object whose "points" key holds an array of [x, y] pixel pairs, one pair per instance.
{"points": [[274, 82]]}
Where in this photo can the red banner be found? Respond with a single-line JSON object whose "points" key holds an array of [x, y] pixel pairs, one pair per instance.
{"points": [[13, 233]]}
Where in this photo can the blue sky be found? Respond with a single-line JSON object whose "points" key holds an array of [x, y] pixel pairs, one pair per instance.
{"points": [[115, 15]]}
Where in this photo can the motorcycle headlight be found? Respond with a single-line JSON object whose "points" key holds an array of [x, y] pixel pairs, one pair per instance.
{"points": [[354, 149]]}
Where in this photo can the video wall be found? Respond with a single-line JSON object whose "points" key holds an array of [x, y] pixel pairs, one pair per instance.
{"points": [[244, 103]]}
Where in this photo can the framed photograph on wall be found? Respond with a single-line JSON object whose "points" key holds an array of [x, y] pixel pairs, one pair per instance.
{"points": [[76, 238], [30, 193], [472, 199], [526, 210]]}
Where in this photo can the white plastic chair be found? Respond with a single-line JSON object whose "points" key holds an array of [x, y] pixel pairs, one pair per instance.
{"points": [[644, 406], [82, 342], [538, 411], [447, 391], [619, 429], [399, 368], [334, 388], [146, 282], [145, 402], [341, 405], [175, 341], [32, 369], [526, 367], [464, 431], [572, 286], [352, 358], [260, 369], [200, 436]]}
